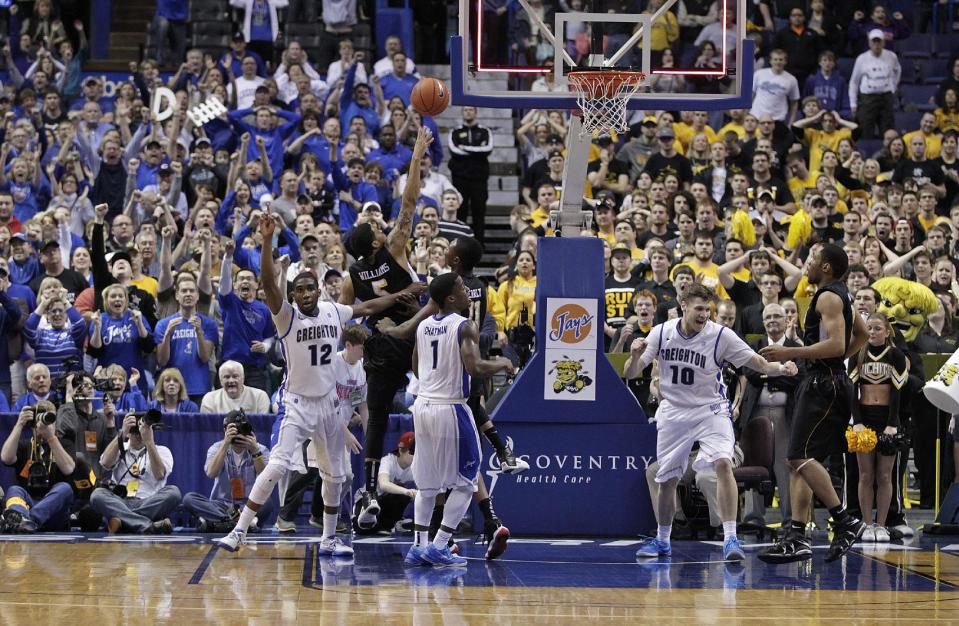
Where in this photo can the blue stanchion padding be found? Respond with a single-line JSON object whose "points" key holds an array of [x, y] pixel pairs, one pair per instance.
{"points": [[569, 268]]}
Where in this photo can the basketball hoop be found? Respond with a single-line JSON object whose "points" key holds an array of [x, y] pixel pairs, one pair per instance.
{"points": [[602, 96]]}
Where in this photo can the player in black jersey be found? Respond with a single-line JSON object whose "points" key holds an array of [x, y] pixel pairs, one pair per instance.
{"points": [[383, 268], [879, 372], [823, 404], [462, 256]]}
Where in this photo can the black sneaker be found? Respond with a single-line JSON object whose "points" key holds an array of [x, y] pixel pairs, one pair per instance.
{"points": [[365, 511], [844, 536], [790, 549], [496, 536], [10, 522], [509, 463]]}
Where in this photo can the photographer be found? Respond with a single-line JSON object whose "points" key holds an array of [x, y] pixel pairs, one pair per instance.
{"points": [[233, 464], [235, 395], [137, 499], [112, 380], [45, 472], [82, 430]]}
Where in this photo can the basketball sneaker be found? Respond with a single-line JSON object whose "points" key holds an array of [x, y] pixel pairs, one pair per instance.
{"points": [[497, 536], [733, 550], [791, 548], [366, 511], [882, 535], [232, 541], [652, 548], [843, 538], [334, 546], [442, 558], [415, 556], [510, 464], [869, 535], [285, 527], [903, 530]]}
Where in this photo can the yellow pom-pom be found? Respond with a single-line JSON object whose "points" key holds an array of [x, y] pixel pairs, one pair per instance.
{"points": [[800, 229], [743, 228], [852, 440], [867, 440]]}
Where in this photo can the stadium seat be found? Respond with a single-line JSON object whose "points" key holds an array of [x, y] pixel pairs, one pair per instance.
{"points": [[202, 10], [297, 30], [910, 72], [845, 65], [915, 47], [916, 97], [755, 473], [907, 121], [933, 71], [868, 147], [945, 46]]}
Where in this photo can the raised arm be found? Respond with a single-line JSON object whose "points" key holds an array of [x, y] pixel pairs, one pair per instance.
{"points": [[892, 267], [725, 271], [400, 235], [274, 298]]}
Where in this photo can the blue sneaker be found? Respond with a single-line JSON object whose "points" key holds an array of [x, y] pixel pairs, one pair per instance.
{"points": [[442, 558], [334, 546], [415, 556], [733, 550], [652, 548]]}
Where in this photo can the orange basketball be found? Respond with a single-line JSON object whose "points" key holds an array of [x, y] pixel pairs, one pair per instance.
{"points": [[430, 96]]}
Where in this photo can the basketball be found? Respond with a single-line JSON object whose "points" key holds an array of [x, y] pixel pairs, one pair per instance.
{"points": [[430, 96]]}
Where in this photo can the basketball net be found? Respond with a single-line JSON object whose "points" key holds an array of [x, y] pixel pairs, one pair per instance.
{"points": [[602, 96]]}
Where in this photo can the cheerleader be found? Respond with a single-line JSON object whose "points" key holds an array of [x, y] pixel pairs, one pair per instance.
{"points": [[879, 372]]}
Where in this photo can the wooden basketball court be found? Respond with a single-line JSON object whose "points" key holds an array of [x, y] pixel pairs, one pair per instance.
{"points": [[106, 581]]}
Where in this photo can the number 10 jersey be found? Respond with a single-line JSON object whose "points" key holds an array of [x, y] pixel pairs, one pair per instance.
{"points": [[690, 368], [310, 345]]}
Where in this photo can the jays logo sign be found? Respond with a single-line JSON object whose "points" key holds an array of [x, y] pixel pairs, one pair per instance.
{"points": [[571, 344], [571, 323]]}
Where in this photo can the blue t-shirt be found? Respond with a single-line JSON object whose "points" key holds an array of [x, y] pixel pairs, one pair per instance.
{"points": [[185, 353], [260, 29], [244, 323], [25, 202], [120, 337]]}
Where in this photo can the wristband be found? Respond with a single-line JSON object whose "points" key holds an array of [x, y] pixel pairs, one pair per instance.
{"points": [[258, 455]]}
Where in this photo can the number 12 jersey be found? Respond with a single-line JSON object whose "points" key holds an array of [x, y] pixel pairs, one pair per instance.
{"points": [[310, 345]]}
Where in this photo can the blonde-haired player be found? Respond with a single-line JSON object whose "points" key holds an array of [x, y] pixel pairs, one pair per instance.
{"points": [[690, 352]]}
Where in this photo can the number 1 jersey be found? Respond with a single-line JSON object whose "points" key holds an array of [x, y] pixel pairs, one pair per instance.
{"points": [[690, 368], [310, 345], [439, 366]]}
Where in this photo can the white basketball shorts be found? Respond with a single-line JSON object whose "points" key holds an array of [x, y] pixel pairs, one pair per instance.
{"points": [[677, 429], [447, 446], [316, 418]]}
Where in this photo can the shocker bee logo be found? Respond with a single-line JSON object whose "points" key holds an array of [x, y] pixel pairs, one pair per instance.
{"points": [[569, 375], [947, 374]]}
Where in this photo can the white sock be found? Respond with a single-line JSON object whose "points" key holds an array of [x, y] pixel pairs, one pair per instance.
{"points": [[422, 512], [442, 539], [729, 530], [421, 538], [329, 524], [663, 533], [246, 516]]}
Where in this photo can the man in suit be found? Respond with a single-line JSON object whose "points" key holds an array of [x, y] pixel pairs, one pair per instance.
{"points": [[771, 397]]}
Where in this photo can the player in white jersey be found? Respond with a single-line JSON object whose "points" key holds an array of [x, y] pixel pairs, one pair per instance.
{"points": [[690, 352], [310, 334], [447, 455]]}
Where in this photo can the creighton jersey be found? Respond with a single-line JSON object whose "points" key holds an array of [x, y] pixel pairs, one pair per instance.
{"points": [[690, 368], [310, 345], [440, 367]]}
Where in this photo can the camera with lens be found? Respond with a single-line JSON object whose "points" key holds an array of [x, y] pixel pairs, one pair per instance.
{"points": [[151, 418], [38, 478], [112, 485], [42, 414], [104, 384], [239, 419]]}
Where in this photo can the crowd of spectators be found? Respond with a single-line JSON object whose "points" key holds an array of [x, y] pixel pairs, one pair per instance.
{"points": [[129, 246]]}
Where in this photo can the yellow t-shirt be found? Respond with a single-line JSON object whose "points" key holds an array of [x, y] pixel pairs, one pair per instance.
{"points": [[739, 129], [147, 284], [928, 223], [687, 142], [820, 141], [539, 216], [512, 296], [946, 121], [709, 274], [798, 186], [933, 143], [742, 274]]}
